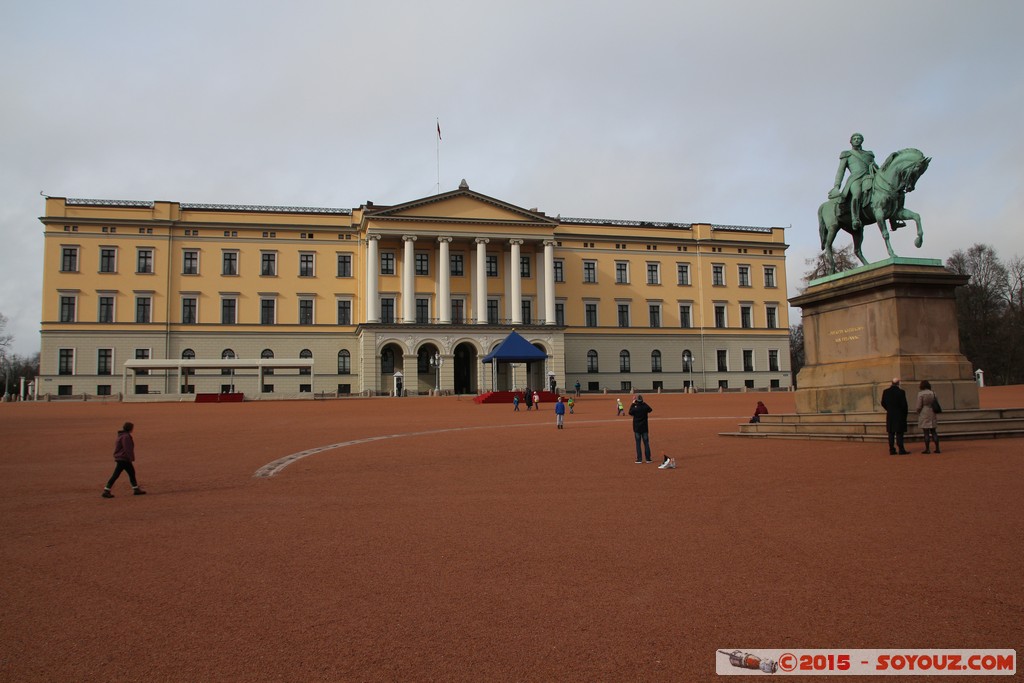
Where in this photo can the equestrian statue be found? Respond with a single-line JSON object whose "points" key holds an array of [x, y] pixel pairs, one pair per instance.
{"points": [[870, 195]]}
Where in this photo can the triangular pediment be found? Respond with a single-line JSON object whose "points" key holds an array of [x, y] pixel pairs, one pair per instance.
{"points": [[462, 205]]}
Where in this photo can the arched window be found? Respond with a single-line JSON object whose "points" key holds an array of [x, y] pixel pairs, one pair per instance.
{"points": [[423, 357], [592, 361], [227, 354], [623, 360], [655, 360], [305, 353], [387, 361], [188, 354], [344, 362], [687, 361], [267, 354]]}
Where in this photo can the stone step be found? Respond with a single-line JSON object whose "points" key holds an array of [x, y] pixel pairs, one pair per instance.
{"points": [[956, 425]]}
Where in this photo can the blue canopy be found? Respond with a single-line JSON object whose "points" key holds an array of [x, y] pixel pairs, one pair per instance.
{"points": [[515, 349]]}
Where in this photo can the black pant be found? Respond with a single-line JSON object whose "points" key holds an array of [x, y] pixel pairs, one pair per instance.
{"points": [[899, 442], [123, 466]]}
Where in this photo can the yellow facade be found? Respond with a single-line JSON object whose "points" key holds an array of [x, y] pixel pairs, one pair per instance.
{"points": [[377, 290]]}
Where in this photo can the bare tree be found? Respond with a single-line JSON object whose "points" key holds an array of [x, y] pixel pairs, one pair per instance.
{"points": [[989, 332], [845, 260]]}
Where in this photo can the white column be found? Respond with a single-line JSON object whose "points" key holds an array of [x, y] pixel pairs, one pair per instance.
{"points": [[549, 282], [409, 280], [372, 269], [481, 280], [516, 284], [444, 288]]}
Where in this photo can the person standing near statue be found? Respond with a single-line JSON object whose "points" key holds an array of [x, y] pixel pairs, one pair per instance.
{"points": [[894, 400], [861, 165]]}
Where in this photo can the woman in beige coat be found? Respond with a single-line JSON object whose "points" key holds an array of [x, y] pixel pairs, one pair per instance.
{"points": [[926, 416]]}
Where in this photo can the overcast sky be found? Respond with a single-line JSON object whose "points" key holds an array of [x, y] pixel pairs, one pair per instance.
{"points": [[728, 112]]}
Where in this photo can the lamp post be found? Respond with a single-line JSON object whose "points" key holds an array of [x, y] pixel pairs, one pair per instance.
{"points": [[436, 362], [688, 366]]}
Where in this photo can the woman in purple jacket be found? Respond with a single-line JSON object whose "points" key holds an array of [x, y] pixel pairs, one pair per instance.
{"points": [[124, 456]]}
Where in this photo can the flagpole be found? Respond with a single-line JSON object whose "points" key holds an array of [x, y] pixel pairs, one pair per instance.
{"points": [[438, 155]]}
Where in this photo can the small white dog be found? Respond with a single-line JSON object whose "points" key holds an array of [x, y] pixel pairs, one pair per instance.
{"points": [[668, 464]]}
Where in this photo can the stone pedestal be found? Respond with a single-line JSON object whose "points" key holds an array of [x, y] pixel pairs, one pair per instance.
{"points": [[895, 318]]}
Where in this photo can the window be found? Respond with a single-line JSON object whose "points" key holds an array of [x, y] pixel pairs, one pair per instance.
{"points": [[306, 265], [387, 310], [344, 312], [108, 260], [769, 276], [268, 310], [748, 360], [592, 361], [227, 354], [69, 260], [560, 314], [720, 315], [492, 265], [771, 316], [773, 360], [685, 315], [144, 261], [621, 272], [142, 354], [305, 311], [623, 360], [683, 273], [66, 361], [305, 353], [143, 309], [188, 310], [744, 276], [623, 315], [746, 317], [457, 264], [344, 265], [655, 361], [190, 262], [423, 311], [188, 354], [723, 360], [718, 275], [344, 362], [67, 308], [422, 263], [104, 361], [524, 266], [103, 390], [387, 263], [654, 273], [687, 361], [387, 361], [590, 315], [106, 312], [268, 263], [559, 270], [230, 263], [590, 271], [228, 311], [654, 314], [492, 311], [267, 354], [459, 311], [527, 311]]}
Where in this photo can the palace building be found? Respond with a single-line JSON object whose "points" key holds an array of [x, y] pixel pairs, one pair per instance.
{"points": [[158, 298]]}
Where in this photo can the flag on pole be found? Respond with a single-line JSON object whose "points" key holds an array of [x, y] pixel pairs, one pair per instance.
{"points": [[438, 130]]}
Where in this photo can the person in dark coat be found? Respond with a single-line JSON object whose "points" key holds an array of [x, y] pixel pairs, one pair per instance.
{"points": [[124, 457], [640, 410], [894, 400]]}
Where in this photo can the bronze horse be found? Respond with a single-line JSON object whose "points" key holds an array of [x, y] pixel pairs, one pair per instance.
{"points": [[884, 201]]}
